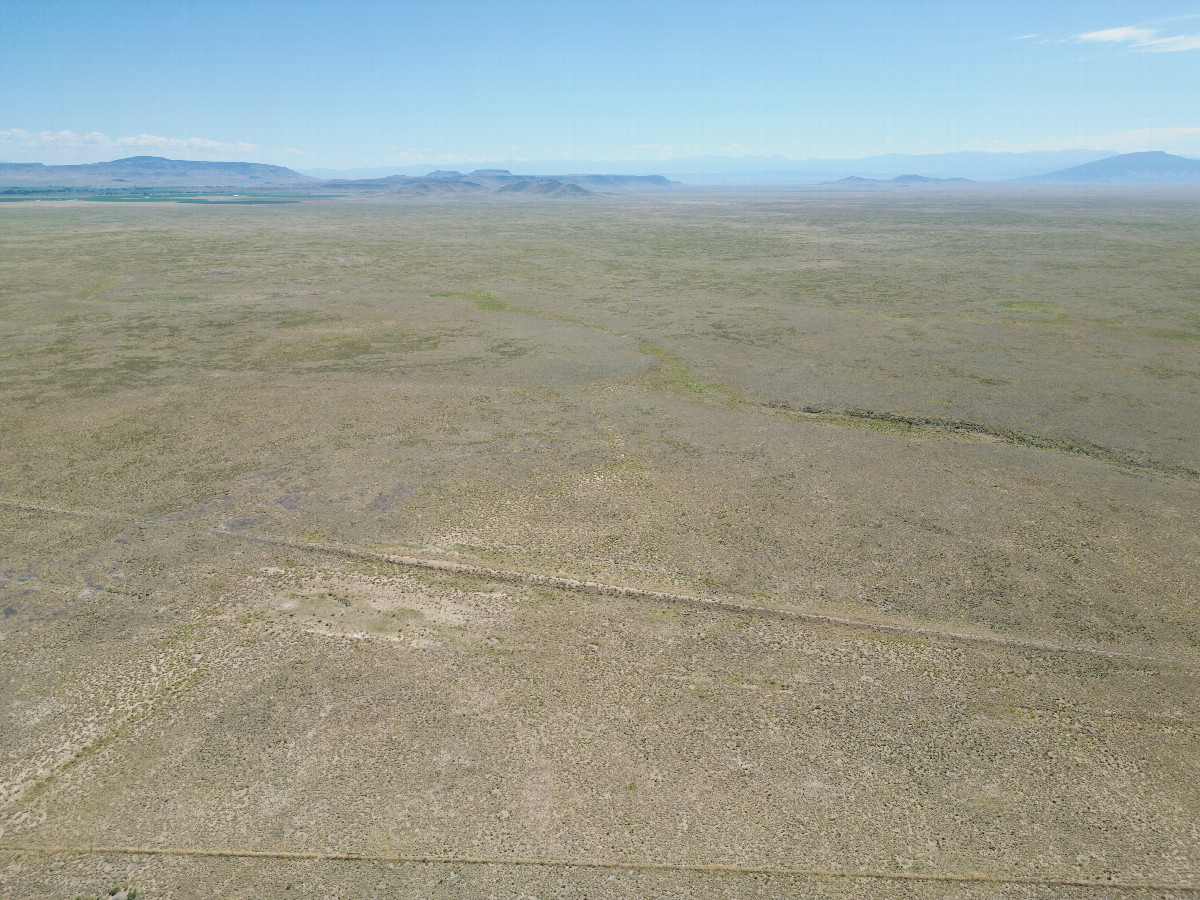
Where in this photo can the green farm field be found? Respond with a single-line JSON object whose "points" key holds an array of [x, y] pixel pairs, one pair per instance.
{"points": [[702, 545]]}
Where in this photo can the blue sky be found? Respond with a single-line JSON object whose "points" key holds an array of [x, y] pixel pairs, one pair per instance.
{"points": [[316, 84]]}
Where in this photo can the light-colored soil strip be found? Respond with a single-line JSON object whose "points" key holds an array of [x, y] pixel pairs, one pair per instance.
{"points": [[59, 511], [610, 864], [596, 587], [23, 796]]}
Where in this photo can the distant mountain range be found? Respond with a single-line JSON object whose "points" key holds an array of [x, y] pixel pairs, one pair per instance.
{"points": [[1149, 168], [152, 171], [502, 181], [977, 165], [1123, 170], [980, 165]]}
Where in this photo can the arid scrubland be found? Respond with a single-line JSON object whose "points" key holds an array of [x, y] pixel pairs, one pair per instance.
{"points": [[903, 491]]}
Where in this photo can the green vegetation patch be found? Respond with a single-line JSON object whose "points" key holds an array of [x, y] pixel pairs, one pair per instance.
{"points": [[1175, 334], [1031, 306], [347, 347], [480, 299], [509, 349], [238, 202], [173, 299], [215, 200], [672, 369]]}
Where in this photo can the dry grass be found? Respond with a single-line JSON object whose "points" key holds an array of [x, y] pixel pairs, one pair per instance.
{"points": [[968, 419]]}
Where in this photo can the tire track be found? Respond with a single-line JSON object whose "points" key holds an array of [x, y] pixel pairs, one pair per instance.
{"points": [[601, 588], [509, 576], [728, 869]]}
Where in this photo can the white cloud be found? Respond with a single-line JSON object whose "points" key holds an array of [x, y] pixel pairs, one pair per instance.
{"points": [[412, 156], [1178, 138], [1118, 35], [68, 146], [1143, 39], [1150, 138], [1173, 44]]}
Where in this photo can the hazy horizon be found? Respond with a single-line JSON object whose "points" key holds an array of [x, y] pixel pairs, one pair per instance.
{"points": [[968, 166], [756, 166], [466, 84]]}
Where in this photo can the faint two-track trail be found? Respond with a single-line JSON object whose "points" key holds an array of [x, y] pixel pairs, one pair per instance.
{"points": [[715, 868], [509, 576], [563, 582], [60, 511]]}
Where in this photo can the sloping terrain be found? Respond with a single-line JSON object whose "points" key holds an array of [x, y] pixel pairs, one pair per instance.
{"points": [[1148, 168], [836, 545], [544, 187], [438, 188]]}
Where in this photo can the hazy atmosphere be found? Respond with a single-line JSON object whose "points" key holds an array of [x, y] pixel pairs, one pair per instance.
{"points": [[562, 451], [453, 84]]}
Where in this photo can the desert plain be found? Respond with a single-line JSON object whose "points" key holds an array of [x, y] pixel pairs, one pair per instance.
{"points": [[809, 544]]}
